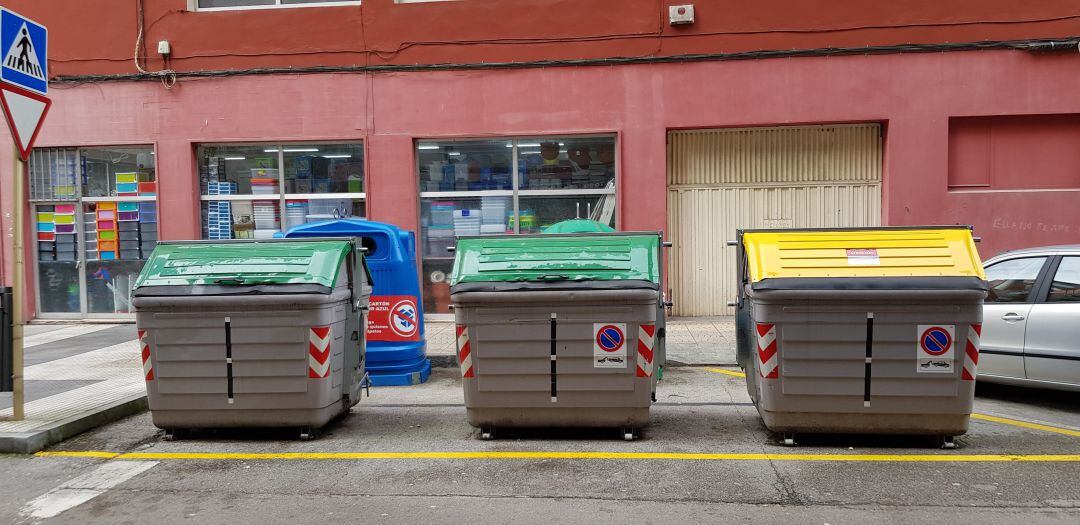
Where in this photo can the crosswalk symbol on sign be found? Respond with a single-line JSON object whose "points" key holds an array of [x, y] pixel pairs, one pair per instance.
{"points": [[24, 46], [21, 56]]}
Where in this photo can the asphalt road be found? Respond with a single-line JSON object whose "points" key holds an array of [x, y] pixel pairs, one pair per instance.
{"points": [[350, 474]]}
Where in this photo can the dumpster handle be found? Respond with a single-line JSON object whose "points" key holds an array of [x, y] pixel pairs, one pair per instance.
{"points": [[552, 277], [229, 280], [228, 358]]}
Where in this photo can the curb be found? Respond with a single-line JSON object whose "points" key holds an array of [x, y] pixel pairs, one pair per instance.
{"points": [[37, 439]]}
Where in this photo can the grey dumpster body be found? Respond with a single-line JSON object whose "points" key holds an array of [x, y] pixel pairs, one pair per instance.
{"points": [[559, 330], [252, 334], [856, 353]]}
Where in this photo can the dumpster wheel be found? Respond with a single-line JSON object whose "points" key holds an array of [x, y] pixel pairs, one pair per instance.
{"points": [[308, 434], [173, 434], [487, 433], [947, 442], [788, 439], [630, 433]]}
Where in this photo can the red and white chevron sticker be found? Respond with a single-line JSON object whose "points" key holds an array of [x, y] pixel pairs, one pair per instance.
{"points": [[147, 364], [319, 352], [646, 341], [464, 351], [768, 359], [971, 352]]}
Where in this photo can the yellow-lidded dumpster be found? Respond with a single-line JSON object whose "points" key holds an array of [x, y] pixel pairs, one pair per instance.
{"points": [[870, 330]]}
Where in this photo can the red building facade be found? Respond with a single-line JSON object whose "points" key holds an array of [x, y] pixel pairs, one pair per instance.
{"points": [[458, 117]]}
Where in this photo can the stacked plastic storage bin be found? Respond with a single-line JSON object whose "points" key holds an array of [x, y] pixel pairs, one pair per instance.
{"points": [[295, 213], [219, 213], [148, 228], [493, 215], [440, 234], [266, 213], [466, 222], [56, 233], [106, 230]]}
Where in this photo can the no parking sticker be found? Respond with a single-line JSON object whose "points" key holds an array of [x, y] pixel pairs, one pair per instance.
{"points": [[609, 345], [934, 353]]}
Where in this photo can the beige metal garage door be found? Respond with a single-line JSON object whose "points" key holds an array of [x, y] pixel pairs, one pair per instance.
{"points": [[784, 177]]}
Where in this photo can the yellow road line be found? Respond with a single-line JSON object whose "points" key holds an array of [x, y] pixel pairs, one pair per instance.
{"points": [[943, 457], [984, 417], [1025, 424], [726, 372], [79, 454]]}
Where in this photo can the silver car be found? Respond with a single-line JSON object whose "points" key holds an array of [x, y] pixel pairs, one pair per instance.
{"points": [[1031, 319]]}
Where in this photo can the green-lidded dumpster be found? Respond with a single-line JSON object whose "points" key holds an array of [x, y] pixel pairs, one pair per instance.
{"points": [[266, 333], [861, 331], [559, 329]]}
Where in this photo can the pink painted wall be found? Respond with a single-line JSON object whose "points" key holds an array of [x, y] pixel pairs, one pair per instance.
{"points": [[915, 95], [1015, 152], [98, 36]]}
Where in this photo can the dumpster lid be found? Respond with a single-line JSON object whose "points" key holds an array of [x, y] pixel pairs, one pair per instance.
{"points": [[923, 251], [245, 263], [578, 226], [558, 258]]}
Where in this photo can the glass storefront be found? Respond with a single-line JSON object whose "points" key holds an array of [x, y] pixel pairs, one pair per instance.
{"points": [[95, 222], [468, 187], [258, 190]]}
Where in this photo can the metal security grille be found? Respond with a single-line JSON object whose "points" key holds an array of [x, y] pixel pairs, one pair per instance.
{"points": [[777, 155], [54, 174], [785, 177]]}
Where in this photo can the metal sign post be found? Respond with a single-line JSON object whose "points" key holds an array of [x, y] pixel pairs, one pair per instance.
{"points": [[18, 395], [23, 62]]}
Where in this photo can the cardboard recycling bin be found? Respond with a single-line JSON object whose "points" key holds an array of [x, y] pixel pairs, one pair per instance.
{"points": [[266, 333], [870, 330], [559, 329], [396, 343]]}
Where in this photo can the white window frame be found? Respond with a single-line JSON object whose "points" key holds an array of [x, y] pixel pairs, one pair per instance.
{"points": [[193, 5]]}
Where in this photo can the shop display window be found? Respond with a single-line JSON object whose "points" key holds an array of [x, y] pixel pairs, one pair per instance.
{"points": [[259, 190], [95, 224], [496, 186]]}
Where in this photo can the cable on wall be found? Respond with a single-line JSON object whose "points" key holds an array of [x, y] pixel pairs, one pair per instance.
{"points": [[1030, 45]]}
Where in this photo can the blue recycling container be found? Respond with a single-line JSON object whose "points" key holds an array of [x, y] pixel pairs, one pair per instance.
{"points": [[396, 346]]}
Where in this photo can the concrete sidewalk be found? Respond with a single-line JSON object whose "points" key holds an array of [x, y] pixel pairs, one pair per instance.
{"points": [[80, 376]]}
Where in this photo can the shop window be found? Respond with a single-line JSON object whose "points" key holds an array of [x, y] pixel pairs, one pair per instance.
{"points": [[497, 186], [95, 224], [259, 190], [211, 5]]}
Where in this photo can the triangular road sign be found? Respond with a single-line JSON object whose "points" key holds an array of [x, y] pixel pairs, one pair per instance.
{"points": [[24, 111]]}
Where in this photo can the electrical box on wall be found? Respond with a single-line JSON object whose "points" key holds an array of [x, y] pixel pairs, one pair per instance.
{"points": [[681, 14]]}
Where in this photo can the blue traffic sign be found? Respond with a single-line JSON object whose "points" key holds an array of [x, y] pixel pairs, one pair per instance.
{"points": [[936, 341], [24, 44], [609, 338]]}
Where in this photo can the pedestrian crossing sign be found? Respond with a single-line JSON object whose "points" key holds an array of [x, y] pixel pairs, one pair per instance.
{"points": [[24, 44]]}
